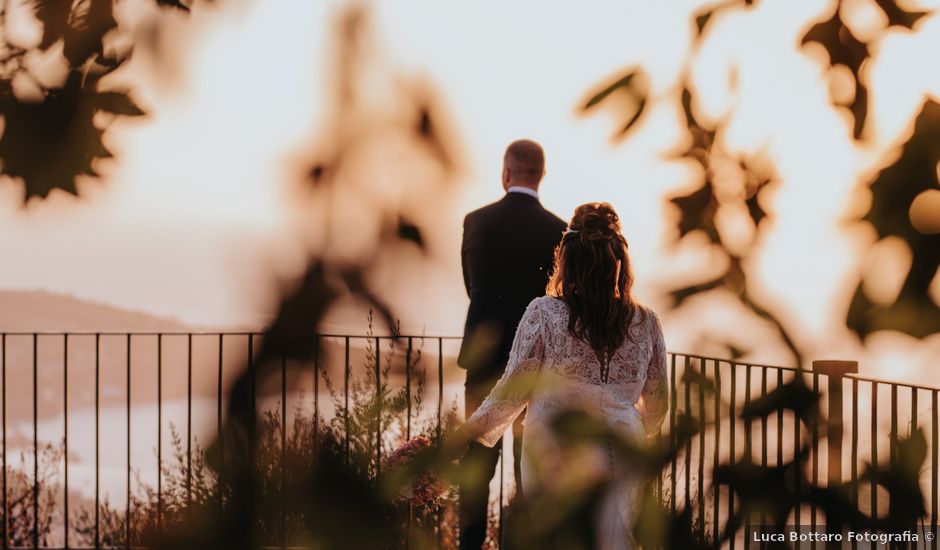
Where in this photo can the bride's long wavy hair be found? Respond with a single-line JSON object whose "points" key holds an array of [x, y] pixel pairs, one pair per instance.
{"points": [[592, 275]]}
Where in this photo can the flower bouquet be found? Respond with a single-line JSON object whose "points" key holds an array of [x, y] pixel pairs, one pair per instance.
{"points": [[426, 489]]}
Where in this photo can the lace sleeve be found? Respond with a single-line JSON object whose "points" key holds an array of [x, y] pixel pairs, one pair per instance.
{"points": [[511, 394], [654, 400]]}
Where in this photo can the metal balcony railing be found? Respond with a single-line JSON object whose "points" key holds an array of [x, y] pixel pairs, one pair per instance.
{"points": [[150, 398]]}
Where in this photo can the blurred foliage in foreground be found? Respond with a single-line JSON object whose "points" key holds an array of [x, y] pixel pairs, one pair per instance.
{"points": [[52, 132], [343, 500], [746, 178]]}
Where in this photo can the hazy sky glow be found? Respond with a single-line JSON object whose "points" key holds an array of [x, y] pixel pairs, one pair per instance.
{"points": [[199, 219]]}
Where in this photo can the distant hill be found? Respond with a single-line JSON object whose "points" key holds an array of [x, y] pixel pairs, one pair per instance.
{"points": [[39, 310], [42, 311]]}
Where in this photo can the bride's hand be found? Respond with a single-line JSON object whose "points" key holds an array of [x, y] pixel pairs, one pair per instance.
{"points": [[456, 445]]}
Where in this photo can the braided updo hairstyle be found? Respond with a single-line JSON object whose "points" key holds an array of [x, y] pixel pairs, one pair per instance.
{"points": [[592, 275]]}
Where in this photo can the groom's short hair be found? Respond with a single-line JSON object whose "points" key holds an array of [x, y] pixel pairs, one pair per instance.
{"points": [[526, 161]]}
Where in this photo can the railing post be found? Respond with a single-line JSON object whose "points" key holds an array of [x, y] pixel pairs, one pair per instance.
{"points": [[835, 371]]}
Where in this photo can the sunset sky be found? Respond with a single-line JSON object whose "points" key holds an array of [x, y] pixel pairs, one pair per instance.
{"points": [[199, 219]]}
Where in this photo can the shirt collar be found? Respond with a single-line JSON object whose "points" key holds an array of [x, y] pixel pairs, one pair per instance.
{"points": [[523, 190]]}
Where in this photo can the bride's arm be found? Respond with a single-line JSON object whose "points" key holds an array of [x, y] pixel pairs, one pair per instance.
{"points": [[654, 400], [511, 394]]}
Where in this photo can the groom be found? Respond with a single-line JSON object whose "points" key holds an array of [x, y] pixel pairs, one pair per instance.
{"points": [[507, 255]]}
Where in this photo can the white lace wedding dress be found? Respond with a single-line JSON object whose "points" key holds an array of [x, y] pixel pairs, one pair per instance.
{"points": [[549, 371]]}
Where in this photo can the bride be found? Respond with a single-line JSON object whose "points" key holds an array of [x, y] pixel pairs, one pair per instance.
{"points": [[587, 345]]}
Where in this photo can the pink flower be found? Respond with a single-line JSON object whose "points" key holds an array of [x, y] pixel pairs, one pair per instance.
{"points": [[426, 489]]}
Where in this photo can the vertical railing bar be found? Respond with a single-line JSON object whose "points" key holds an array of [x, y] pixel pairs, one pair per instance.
{"points": [[815, 465], [378, 401], [659, 489], [252, 398], [732, 428], [854, 458], [189, 421], [748, 428], [218, 405], [688, 443], [440, 404], [797, 461], [874, 449], [894, 425], [220, 479], [748, 431], [440, 386], [346, 400], [159, 433], [853, 494], [763, 432], [701, 451], [408, 391], [779, 423], [97, 439], [314, 523], [408, 430], [127, 504], [283, 452], [913, 426], [934, 451], [933, 454], [717, 458], [3, 368], [35, 441], [316, 393], [65, 426], [672, 432]]}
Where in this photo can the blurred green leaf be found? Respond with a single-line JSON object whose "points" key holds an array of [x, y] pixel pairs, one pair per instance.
{"points": [[706, 15], [701, 138], [430, 136], [837, 39], [766, 489], [906, 504], [54, 16], [408, 231], [355, 280], [694, 377], [680, 295], [757, 182], [625, 82], [299, 315], [898, 16], [846, 50], [697, 212], [893, 190], [755, 210], [633, 83], [658, 527], [177, 4], [734, 352], [701, 21], [90, 21], [118, 103], [641, 106], [51, 142], [794, 395]]}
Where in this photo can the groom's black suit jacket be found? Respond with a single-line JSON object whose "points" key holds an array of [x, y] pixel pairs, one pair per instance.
{"points": [[507, 255]]}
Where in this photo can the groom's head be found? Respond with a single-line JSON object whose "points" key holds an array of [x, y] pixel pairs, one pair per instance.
{"points": [[523, 164]]}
